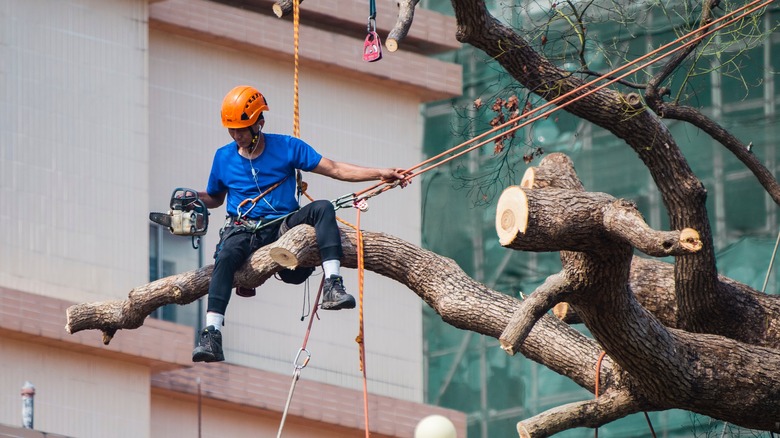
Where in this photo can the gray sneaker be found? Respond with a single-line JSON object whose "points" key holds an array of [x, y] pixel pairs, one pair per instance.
{"points": [[334, 296], [209, 347]]}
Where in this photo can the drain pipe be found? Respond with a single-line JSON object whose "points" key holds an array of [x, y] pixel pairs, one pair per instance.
{"points": [[28, 394]]}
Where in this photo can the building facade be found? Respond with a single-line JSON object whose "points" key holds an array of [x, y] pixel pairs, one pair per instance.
{"points": [[106, 107]]}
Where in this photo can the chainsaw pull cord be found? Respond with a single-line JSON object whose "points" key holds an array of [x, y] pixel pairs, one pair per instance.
{"points": [[301, 359]]}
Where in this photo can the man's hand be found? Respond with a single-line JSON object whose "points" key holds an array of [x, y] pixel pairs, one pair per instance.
{"points": [[392, 175]]}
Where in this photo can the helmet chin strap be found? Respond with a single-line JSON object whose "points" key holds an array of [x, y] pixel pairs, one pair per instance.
{"points": [[255, 138]]}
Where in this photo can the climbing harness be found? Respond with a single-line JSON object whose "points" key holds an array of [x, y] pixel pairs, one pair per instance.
{"points": [[372, 46]]}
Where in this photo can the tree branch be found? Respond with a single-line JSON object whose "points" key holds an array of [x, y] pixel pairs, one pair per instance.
{"points": [[530, 310], [622, 219], [740, 150], [402, 25], [667, 69], [589, 413], [283, 8], [553, 220]]}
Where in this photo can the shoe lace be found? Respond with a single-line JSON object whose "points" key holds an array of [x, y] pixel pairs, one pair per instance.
{"points": [[337, 286]]}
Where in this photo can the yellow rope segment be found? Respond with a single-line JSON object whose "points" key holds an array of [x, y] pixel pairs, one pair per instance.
{"points": [[296, 111]]}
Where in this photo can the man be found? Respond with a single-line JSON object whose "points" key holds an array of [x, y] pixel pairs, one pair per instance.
{"points": [[254, 164]]}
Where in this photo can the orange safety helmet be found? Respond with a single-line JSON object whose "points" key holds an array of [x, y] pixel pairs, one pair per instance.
{"points": [[242, 107]]}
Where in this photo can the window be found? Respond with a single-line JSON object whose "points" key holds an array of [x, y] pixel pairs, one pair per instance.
{"points": [[171, 255]]}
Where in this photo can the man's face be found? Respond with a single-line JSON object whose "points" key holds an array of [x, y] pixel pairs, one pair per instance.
{"points": [[242, 136]]}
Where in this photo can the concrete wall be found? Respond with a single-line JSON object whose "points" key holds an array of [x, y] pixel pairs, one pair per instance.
{"points": [[74, 397], [73, 147]]}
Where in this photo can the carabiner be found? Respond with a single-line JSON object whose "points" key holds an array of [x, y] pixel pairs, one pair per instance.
{"points": [[343, 201], [238, 209], [298, 365]]}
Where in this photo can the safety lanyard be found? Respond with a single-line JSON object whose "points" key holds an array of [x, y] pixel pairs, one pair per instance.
{"points": [[255, 200]]}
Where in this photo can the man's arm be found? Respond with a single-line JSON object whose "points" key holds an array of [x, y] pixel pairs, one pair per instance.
{"points": [[212, 201], [354, 173]]}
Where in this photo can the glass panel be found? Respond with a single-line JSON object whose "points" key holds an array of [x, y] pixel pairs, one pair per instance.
{"points": [[171, 255]]}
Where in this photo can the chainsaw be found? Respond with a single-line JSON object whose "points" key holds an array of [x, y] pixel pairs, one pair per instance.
{"points": [[188, 215]]}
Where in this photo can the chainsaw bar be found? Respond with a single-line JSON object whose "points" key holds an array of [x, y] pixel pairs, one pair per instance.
{"points": [[163, 219]]}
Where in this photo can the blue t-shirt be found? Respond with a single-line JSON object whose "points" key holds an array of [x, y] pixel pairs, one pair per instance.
{"points": [[233, 173]]}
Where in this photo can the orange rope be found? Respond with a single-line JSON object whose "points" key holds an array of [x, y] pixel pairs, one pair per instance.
{"points": [[296, 109], [297, 133], [560, 98], [361, 334]]}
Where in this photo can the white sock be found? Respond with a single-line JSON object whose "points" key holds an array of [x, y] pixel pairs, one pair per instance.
{"points": [[331, 267], [215, 319]]}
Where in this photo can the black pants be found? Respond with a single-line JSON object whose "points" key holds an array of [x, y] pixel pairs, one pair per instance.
{"points": [[236, 244]]}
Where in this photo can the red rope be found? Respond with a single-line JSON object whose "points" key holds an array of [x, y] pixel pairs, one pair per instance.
{"points": [[598, 377], [558, 100], [313, 314]]}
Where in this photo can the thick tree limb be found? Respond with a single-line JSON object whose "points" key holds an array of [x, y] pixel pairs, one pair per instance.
{"points": [[590, 413], [554, 220], [682, 371], [623, 220], [755, 317], [110, 316]]}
